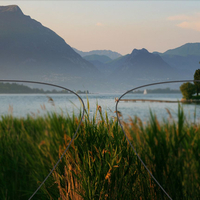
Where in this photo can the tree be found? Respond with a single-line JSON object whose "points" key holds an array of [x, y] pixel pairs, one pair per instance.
{"points": [[197, 77], [187, 90]]}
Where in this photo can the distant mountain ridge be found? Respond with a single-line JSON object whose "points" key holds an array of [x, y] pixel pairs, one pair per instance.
{"points": [[139, 68], [185, 50], [111, 54], [185, 57], [28, 50], [100, 58], [11, 8], [143, 65]]}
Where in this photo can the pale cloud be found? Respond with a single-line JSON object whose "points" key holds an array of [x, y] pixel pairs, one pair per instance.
{"points": [[190, 25], [99, 24], [187, 21]]}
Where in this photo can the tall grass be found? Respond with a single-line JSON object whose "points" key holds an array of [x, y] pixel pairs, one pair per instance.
{"points": [[100, 163]]}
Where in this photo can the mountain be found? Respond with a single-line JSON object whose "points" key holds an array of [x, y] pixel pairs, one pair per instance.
{"points": [[28, 50], [185, 57], [99, 61], [100, 58], [141, 67], [111, 54], [185, 50]]}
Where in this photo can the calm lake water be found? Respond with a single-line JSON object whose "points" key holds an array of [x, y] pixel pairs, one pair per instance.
{"points": [[39, 104]]}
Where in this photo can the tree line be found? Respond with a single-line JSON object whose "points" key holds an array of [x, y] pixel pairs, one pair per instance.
{"points": [[189, 89], [14, 88]]}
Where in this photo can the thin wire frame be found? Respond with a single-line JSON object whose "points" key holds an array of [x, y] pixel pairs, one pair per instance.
{"points": [[118, 118], [83, 111]]}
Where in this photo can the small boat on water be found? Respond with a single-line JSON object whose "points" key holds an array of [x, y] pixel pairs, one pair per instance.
{"points": [[145, 91]]}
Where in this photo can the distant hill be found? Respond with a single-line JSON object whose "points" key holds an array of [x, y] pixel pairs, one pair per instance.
{"points": [[141, 67], [28, 50], [145, 64], [185, 50], [158, 91], [111, 54], [100, 58], [99, 61], [14, 88], [185, 57]]}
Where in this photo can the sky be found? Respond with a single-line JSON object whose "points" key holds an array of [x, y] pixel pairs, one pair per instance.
{"points": [[119, 26]]}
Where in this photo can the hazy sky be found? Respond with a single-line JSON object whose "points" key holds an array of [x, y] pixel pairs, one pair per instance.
{"points": [[118, 25]]}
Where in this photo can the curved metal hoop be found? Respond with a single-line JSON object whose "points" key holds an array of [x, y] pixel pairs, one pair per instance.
{"points": [[49, 84], [158, 83]]}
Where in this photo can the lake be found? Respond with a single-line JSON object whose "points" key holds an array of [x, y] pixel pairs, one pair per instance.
{"points": [[20, 105]]}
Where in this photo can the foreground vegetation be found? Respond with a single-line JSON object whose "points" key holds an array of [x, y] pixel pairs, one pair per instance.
{"points": [[100, 163]]}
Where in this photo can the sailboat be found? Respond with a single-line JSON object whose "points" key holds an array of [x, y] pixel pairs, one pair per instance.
{"points": [[145, 91]]}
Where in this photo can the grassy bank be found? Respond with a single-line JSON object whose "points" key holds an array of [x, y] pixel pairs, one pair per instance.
{"points": [[100, 163]]}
